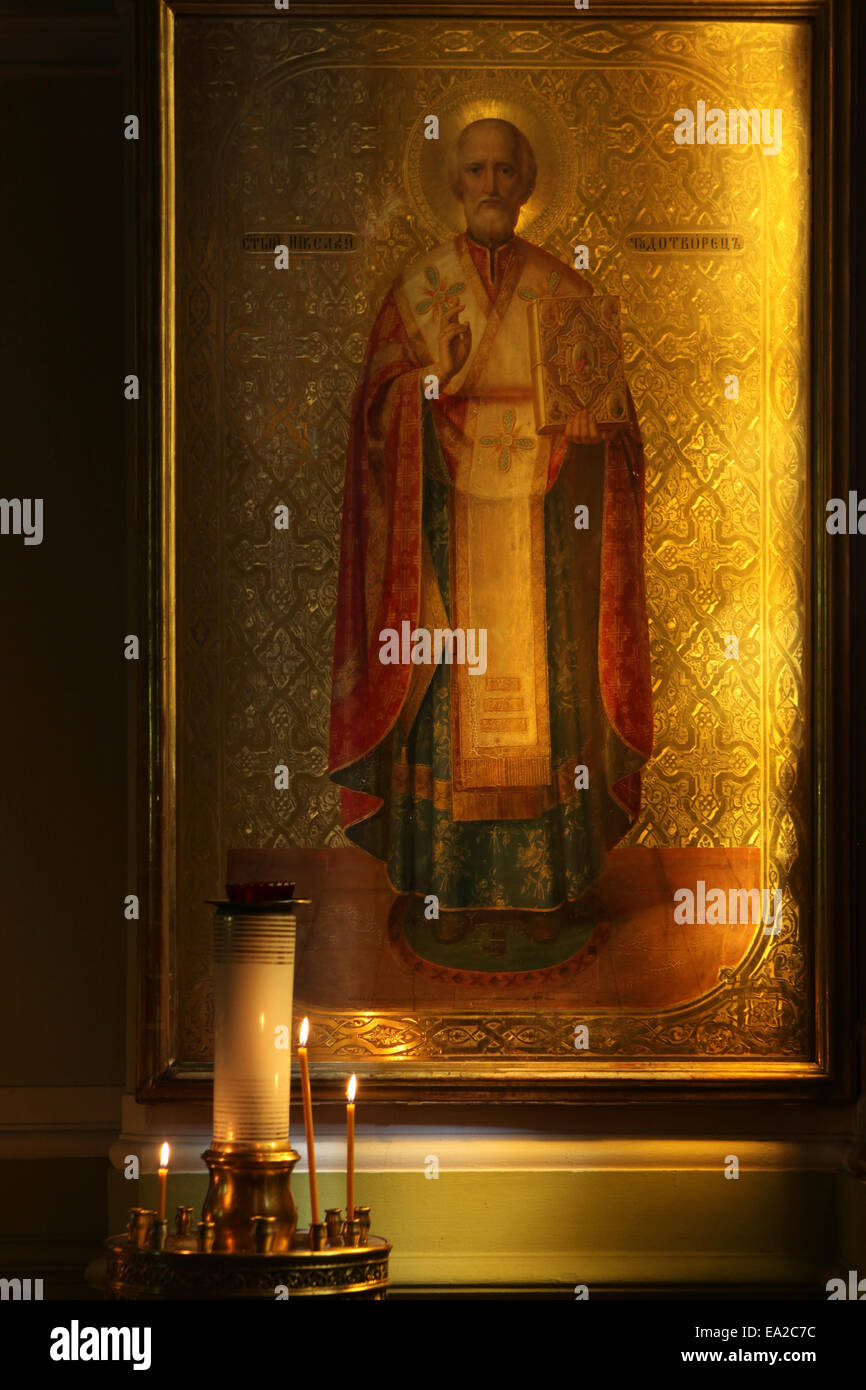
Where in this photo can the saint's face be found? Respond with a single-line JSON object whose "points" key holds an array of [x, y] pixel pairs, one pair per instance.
{"points": [[491, 184]]}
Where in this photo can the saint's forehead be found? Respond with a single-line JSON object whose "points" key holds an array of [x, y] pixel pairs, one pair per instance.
{"points": [[491, 143]]}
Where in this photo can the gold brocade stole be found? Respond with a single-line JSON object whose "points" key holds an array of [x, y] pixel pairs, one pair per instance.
{"points": [[500, 743]]}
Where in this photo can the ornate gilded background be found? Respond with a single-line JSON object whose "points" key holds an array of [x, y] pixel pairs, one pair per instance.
{"points": [[287, 124]]}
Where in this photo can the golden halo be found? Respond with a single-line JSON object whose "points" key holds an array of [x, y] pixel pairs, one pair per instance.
{"points": [[426, 161]]}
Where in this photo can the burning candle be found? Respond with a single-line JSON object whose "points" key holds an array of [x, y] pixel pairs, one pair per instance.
{"points": [[308, 1120], [350, 1148], [162, 1180]]}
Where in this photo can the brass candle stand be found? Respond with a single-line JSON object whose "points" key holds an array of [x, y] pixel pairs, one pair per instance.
{"points": [[188, 1267], [247, 1244], [250, 1181]]}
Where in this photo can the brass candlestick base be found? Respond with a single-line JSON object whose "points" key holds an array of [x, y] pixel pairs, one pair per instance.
{"points": [[184, 1271], [246, 1181]]}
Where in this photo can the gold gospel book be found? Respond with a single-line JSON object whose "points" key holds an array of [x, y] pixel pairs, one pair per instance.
{"points": [[577, 362]]}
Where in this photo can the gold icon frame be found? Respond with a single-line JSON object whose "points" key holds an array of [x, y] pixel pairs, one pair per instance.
{"points": [[726, 1043]]}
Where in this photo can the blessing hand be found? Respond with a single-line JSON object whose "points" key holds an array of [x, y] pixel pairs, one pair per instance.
{"points": [[455, 341]]}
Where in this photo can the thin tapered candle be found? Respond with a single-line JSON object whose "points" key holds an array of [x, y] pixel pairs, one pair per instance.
{"points": [[308, 1121], [350, 1149], [162, 1179]]}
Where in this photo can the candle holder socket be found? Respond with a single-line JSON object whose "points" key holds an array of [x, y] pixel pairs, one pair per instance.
{"points": [[141, 1224], [159, 1234], [334, 1225], [183, 1220], [264, 1231], [352, 1232], [362, 1214]]}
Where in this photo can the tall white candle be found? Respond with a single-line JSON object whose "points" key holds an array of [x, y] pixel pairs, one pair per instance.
{"points": [[254, 957]]}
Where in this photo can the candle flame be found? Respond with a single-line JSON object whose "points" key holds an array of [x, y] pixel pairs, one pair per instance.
{"points": [[304, 1032], [352, 1087], [163, 1156]]}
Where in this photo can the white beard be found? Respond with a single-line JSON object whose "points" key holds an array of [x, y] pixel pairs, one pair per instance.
{"points": [[491, 224]]}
